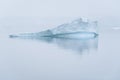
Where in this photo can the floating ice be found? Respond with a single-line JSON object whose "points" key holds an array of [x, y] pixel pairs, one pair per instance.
{"points": [[75, 29], [116, 28]]}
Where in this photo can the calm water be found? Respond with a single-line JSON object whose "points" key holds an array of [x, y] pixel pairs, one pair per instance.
{"points": [[58, 59]]}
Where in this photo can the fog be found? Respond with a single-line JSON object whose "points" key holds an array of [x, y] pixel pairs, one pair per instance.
{"points": [[55, 58], [60, 8]]}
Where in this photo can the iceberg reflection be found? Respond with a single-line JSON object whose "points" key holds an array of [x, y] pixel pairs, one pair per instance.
{"points": [[78, 45]]}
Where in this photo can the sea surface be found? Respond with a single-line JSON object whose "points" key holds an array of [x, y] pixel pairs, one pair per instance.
{"points": [[55, 58]]}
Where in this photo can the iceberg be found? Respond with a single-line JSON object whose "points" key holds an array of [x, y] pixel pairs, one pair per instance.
{"points": [[75, 29]]}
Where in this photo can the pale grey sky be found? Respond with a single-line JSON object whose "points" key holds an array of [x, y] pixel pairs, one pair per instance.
{"points": [[61, 8]]}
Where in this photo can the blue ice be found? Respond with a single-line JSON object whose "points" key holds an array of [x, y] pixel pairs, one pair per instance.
{"points": [[75, 29]]}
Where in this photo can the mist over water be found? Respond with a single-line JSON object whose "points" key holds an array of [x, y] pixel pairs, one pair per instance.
{"points": [[57, 58]]}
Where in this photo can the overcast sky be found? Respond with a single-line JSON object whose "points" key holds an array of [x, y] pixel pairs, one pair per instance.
{"points": [[59, 8]]}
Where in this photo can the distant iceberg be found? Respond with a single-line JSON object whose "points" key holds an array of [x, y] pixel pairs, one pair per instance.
{"points": [[75, 29]]}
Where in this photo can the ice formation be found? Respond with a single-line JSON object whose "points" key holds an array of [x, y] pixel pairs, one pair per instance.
{"points": [[75, 29]]}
